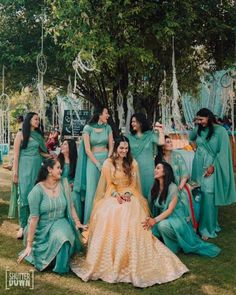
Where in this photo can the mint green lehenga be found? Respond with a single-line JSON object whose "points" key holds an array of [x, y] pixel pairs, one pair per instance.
{"points": [[56, 238], [87, 174]]}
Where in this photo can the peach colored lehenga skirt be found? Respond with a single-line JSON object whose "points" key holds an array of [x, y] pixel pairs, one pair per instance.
{"points": [[120, 250]]}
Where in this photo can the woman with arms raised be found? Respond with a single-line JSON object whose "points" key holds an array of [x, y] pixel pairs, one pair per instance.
{"points": [[181, 176], [143, 144]]}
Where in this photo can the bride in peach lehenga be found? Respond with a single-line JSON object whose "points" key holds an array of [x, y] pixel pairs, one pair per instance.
{"points": [[119, 249]]}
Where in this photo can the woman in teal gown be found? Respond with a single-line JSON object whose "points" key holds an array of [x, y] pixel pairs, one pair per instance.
{"points": [[170, 224], [213, 170], [143, 143], [96, 146], [181, 176], [52, 234], [29, 149]]}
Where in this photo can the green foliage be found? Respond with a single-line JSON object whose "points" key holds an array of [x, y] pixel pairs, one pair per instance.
{"points": [[130, 40]]}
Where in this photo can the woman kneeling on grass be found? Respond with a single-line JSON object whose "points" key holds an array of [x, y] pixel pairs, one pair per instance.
{"points": [[52, 235], [171, 224]]}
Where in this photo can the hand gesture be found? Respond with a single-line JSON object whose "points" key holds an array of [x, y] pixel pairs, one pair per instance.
{"points": [[148, 223], [79, 225], [126, 197], [210, 170], [158, 127], [120, 199], [15, 178], [26, 252]]}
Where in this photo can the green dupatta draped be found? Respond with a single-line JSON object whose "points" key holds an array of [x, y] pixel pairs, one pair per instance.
{"points": [[14, 187], [218, 147], [145, 139], [39, 138], [78, 239], [80, 173]]}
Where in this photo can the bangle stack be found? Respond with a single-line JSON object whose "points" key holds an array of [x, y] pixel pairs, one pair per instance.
{"points": [[29, 242], [128, 193], [114, 194], [157, 219]]}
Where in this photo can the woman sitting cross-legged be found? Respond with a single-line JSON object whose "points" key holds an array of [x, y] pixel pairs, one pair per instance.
{"points": [[52, 235], [119, 249], [171, 224]]}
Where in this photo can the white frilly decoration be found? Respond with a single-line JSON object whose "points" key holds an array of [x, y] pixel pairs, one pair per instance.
{"points": [[41, 63], [228, 82], [84, 62], [4, 113], [120, 110], [176, 94], [130, 110], [165, 106]]}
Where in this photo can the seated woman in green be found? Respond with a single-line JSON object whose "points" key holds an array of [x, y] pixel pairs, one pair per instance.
{"points": [[52, 235], [170, 224], [181, 176], [68, 159]]}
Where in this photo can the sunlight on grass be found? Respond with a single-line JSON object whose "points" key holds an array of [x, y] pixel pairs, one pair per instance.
{"points": [[207, 276], [212, 290]]}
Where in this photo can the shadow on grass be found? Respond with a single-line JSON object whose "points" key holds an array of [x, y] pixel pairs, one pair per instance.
{"points": [[208, 276]]}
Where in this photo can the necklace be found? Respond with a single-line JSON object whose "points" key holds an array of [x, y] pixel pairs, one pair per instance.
{"points": [[119, 165], [53, 188]]}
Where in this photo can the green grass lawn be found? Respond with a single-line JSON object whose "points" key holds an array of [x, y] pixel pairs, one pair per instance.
{"points": [[207, 275]]}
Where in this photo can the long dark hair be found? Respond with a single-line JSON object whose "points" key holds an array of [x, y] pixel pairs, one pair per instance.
{"points": [[127, 161], [160, 152], [211, 121], [142, 120], [43, 172], [26, 129], [168, 179], [97, 112], [72, 156]]}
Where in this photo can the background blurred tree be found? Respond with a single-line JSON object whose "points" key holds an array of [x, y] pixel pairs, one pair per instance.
{"points": [[130, 40]]}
